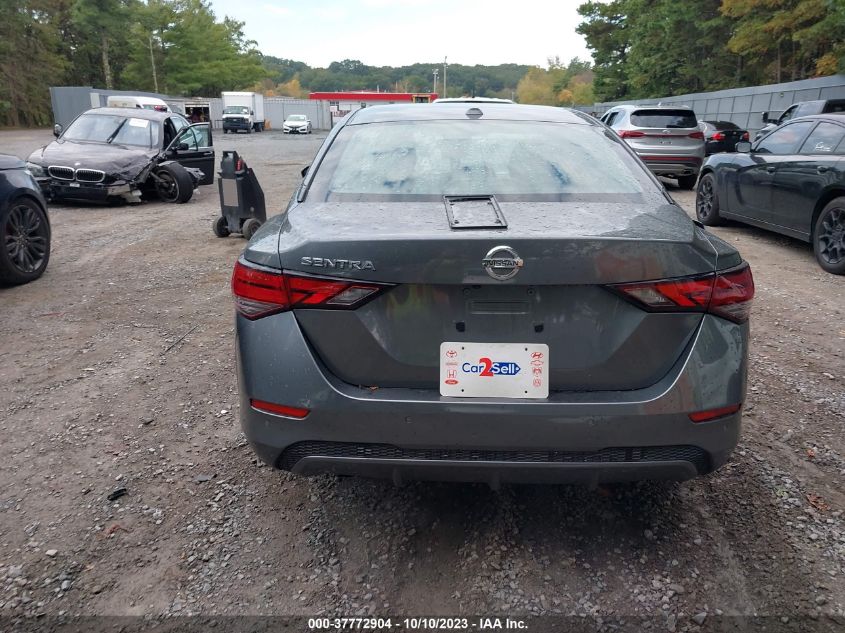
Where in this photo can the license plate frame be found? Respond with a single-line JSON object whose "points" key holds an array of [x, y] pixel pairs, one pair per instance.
{"points": [[494, 370]]}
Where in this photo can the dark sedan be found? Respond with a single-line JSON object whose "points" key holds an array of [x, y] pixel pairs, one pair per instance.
{"points": [[791, 181], [489, 292], [124, 153], [721, 136], [24, 225]]}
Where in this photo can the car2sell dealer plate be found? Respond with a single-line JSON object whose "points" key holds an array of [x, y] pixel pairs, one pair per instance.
{"points": [[494, 370]]}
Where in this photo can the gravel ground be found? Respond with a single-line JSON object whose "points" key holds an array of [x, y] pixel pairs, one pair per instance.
{"points": [[116, 378]]}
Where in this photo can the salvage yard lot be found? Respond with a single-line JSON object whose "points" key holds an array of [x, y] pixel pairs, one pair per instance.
{"points": [[117, 371]]}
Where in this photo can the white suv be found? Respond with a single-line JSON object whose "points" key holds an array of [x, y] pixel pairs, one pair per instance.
{"points": [[668, 139]]}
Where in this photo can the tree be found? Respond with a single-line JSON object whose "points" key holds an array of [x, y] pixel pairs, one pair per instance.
{"points": [[792, 39], [605, 28], [203, 56], [101, 22], [29, 61]]}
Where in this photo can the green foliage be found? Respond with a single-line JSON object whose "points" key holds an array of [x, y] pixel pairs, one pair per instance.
{"points": [[176, 47], [569, 84], [351, 74], [652, 48], [29, 62]]}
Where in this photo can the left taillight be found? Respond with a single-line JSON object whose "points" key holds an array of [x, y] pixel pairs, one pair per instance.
{"points": [[260, 292], [727, 294]]}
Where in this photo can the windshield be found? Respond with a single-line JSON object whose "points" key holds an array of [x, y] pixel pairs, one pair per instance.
{"points": [[519, 160], [117, 130], [296, 117], [664, 118], [236, 110]]}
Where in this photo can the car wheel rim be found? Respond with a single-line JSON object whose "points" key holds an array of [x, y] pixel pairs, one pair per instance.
{"points": [[166, 186], [704, 202], [25, 238], [831, 238]]}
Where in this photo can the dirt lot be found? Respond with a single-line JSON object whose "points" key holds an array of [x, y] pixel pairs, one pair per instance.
{"points": [[116, 371]]}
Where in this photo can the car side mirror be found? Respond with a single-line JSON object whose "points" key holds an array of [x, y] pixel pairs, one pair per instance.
{"points": [[57, 130], [743, 147], [182, 147], [304, 171], [765, 117]]}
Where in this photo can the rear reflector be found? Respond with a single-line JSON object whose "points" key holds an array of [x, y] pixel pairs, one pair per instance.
{"points": [[727, 294], [279, 409], [260, 292], [713, 414]]}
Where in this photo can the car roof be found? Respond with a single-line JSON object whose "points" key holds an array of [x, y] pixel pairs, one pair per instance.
{"points": [[662, 106], [834, 117], [138, 113], [472, 100], [461, 111]]}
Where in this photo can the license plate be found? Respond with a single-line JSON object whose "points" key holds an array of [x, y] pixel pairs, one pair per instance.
{"points": [[494, 370]]}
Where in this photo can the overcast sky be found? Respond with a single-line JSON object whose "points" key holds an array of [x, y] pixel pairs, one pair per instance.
{"points": [[399, 32]]}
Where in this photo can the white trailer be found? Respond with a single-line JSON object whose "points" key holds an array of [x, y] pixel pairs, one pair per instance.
{"points": [[243, 111]]}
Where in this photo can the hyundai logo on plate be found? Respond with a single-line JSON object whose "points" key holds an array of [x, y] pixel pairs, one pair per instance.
{"points": [[502, 262]]}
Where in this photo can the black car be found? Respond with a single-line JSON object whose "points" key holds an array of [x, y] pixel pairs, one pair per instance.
{"points": [[721, 136], [24, 225], [791, 181], [125, 153]]}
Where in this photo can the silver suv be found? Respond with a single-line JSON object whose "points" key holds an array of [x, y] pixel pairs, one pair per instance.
{"points": [[667, 139]]}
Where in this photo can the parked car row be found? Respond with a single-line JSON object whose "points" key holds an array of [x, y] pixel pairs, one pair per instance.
{"points": [[791, 181]]}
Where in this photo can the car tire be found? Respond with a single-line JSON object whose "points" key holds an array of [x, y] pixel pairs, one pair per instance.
{"points": [[707, 201], [687, 182], [829, 237], [221, 227], [250, 227], [174, 184], [25, 250]]}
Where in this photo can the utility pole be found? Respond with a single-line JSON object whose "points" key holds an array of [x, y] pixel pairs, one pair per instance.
{"points": [[444, 77], [434, 72], [153, 60]]}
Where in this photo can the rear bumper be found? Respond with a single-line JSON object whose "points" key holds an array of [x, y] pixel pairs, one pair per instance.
{"points": [[673, 165], [404, 434]]}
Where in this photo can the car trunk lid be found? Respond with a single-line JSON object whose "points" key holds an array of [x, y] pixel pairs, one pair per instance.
{"points": [[597, 340]]}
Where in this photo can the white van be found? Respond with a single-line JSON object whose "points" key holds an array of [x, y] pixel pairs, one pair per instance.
{"points": [[128, 101]]}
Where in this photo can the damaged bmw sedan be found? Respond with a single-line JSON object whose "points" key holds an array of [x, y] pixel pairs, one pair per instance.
{"points": [[110, 154], [489, 292]]}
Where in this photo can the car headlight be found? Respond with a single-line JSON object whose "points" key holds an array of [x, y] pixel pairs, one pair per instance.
{"points": [[36, 170]]}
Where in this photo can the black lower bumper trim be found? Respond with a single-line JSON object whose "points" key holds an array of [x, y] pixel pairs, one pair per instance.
{"points": [[624, 455]]}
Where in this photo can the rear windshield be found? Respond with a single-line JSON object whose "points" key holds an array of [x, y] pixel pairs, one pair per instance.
{"points": [[520, 160], [664, 118], [722, 125], [834, 106]]}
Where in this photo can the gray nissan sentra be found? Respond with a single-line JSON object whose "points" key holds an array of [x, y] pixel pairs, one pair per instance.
{"points": [[490, 292]]}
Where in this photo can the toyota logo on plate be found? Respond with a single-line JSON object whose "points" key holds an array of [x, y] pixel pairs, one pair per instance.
{"points": [[502, 262]]}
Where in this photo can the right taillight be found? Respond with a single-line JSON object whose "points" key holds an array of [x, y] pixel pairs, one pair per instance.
{"points": [[260, 292], [727, 294]]}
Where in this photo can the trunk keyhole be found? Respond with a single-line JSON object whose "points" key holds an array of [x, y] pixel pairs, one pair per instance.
{"points": [[538, 327], [460, 326]]}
